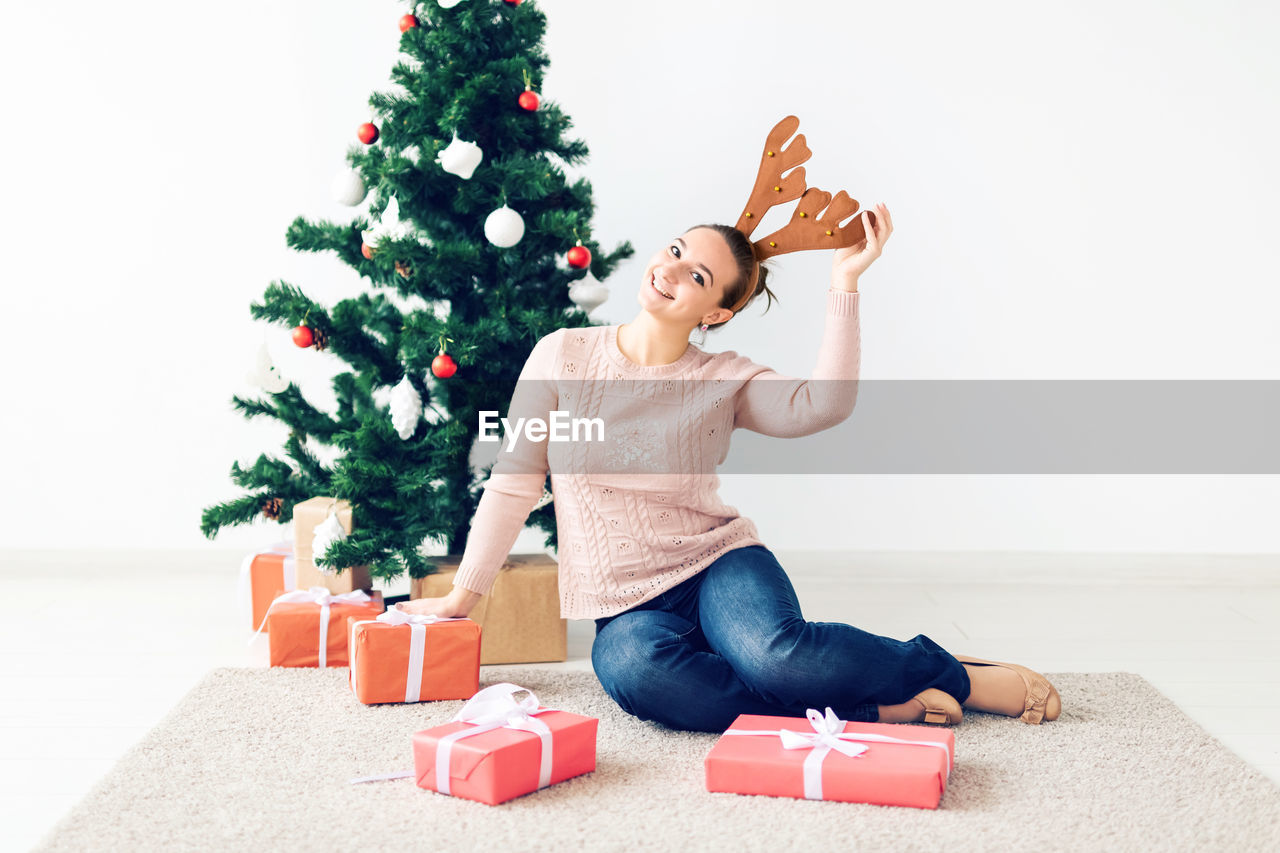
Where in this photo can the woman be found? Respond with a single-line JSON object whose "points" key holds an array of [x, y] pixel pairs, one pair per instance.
{"points": [[694, 624]]}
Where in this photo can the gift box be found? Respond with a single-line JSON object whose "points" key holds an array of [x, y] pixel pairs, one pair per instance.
{"points": [[520, 615], [825, 758], [402, 658], [307, 516], [263, 575], [309, 627], [498, 748]]}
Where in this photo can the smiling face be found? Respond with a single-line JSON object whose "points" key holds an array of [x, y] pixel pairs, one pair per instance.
{"points": [[686, 279]]}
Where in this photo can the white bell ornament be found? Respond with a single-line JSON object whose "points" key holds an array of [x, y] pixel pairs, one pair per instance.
{"points": [[387, 227], [265, 374], [588, 293], [460, 158], [326, 533], [504, 227]]}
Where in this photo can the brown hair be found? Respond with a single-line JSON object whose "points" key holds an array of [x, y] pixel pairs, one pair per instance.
{"points": [[749, 270]]}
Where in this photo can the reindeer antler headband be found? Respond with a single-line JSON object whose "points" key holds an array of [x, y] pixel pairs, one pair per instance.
{"points": [[814, 223]]}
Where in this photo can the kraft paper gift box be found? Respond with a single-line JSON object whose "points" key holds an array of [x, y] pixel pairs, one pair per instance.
{"points": [[825, 758], [402, 658], [307, 516], [497, 749], [263, 574], [520, 615], [309, 627]]}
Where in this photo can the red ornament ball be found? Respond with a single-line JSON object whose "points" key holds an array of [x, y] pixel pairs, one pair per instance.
{"points": [[513, 2], [303, 336], [579, 257], [368, 133], [366, 250], [443, 366], [407, 23], [529, 100]]}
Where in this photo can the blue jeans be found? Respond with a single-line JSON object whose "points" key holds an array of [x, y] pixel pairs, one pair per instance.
{"points": [[731, 640]]}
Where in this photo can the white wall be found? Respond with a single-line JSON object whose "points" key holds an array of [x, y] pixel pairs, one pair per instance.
{"points": [[1078, 192]]}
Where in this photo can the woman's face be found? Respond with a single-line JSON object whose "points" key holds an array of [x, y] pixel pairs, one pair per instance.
{"points": [[693, 271]]}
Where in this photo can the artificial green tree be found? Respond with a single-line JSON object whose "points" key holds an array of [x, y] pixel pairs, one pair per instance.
{"points": [[469, 74]]}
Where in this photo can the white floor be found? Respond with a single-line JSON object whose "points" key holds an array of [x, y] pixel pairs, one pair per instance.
{"points": [[102, 645]]}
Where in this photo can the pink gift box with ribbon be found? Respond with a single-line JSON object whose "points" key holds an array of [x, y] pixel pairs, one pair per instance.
{"points": [[498, 748], [821, 757]]}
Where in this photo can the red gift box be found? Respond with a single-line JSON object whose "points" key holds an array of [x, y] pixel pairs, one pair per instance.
{"points": [[498, 749], [262, 575], [825, 758], [308, 627], [402, 658]]}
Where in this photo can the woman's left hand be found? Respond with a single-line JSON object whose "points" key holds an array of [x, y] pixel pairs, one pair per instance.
{"points": [[851, 262]]}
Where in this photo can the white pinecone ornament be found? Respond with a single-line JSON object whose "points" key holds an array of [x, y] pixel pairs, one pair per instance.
{"points": [[406, 408]]}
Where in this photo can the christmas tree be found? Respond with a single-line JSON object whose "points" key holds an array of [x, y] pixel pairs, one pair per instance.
{"points": [[467, 226]]}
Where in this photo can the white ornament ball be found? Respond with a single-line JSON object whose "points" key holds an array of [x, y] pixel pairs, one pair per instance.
{"points": [[588, 294], [504, 227], [448, 4], [326, 533], [348, 188], [460, 158], [406, 408]]}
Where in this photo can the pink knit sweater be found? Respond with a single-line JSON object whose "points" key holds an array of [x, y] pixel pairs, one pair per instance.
{"points": [[639, 512]]}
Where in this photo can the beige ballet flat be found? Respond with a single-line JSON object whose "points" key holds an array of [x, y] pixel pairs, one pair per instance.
{"points": [[940, 707], [1042, 701]]}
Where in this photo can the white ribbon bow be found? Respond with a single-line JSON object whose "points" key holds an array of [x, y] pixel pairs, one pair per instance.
{"points": [[316, 595], [417, 646], [244, 591], [828, 731], [828, 734], [495, 707]]}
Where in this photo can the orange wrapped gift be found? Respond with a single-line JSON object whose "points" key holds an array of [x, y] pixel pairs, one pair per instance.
{"points": [[402, 658], [826, 758], [263, 574], [308, 627], [497, 748]]}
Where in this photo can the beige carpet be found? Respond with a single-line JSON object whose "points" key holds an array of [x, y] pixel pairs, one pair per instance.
{"points": [[259, 759]]}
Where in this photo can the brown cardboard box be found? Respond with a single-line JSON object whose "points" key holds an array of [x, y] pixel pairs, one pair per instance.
{"points": [[519, 618], [307, 516]]}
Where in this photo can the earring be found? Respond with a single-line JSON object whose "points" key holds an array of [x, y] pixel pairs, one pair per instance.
{"points": [[699, 337]]}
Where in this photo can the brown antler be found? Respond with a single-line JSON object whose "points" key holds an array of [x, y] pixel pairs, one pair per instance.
{"points": [[771, 188], [814, 224]]}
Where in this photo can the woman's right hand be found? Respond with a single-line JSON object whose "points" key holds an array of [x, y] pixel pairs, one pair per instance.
{"points": [[457, 603]]}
